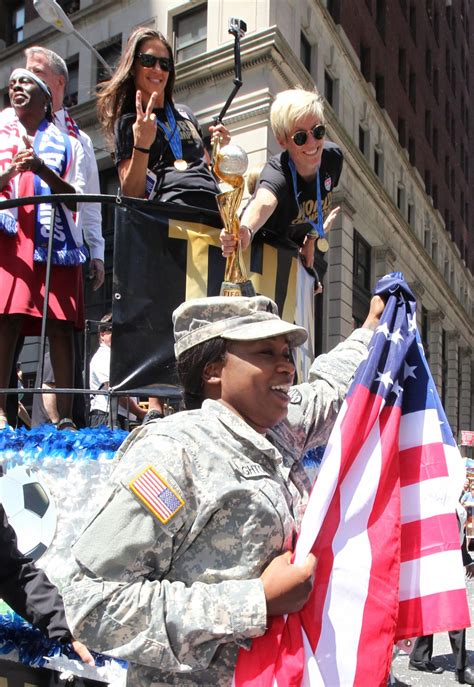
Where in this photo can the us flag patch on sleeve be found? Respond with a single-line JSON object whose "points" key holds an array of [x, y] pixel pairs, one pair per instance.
{"points": [[156, 494]]}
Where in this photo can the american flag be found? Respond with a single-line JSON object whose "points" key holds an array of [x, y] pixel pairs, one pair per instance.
{"points": [[156, 494], [381, 522]]}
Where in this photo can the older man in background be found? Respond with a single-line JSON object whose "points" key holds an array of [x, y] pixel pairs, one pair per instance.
{"points": [[53, 70]]}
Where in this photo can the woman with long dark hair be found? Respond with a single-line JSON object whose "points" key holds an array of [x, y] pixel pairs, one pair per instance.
{"points": [[159, 150]]}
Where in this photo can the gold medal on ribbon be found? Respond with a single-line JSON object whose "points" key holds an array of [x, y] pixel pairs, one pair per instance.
{"points": [[322, 244], [181, 165]]}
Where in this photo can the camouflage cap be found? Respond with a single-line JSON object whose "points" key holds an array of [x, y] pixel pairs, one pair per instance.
{"points": [[234, 318]]}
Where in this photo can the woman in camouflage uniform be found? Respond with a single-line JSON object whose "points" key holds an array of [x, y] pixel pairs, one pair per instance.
{"points": [[189, 556]]}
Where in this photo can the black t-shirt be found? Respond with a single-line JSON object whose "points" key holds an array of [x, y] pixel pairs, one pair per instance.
{"points": [[195, 186], [290, 217]]}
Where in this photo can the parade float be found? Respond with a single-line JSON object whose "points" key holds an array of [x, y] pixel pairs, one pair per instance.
{"points": [[51, 480]]}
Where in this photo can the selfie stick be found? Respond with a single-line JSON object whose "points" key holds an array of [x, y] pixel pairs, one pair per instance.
{"points": [[237, 27]]}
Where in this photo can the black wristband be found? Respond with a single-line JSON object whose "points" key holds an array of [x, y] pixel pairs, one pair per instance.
{"points": [[142, 150], [252, 233]]}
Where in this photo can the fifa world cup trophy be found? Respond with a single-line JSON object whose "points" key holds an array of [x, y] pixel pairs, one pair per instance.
{"points": [[230, 164]]}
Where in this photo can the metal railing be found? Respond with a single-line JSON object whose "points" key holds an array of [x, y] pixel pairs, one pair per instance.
{"points": [[168, 392]]}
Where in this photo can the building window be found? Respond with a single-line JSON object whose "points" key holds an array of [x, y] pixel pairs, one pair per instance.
{"points": [[111, 52], [365, 61], [402, 66], [329, 88], [362, 262], [190, 33], [380, 89], [401, 198], [435, 142], [428, 182], [444, 363], [378, 163], [412, 20], [412, 150], [72, 88], [16, 22], [411, 215], [428, 125], [436, 24], [362, 140], [427, 239], [428, 64], [380, 11], [412, 89], [446, 219], [424, 330], [361, 279], [305, 52], [402, 131], [449, 15], [436, 84], [434, 195]]}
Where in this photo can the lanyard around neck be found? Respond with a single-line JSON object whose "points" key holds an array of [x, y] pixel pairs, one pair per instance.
{"points": [[317, 228], [171, 132]]}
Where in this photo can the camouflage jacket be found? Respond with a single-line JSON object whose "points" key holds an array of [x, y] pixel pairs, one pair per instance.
{"points": [[171, 583]]}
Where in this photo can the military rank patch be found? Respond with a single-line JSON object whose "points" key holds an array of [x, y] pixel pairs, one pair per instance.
{"points": [[156, 494]]}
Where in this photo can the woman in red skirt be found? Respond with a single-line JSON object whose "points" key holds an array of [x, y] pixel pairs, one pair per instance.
{"points": [[37, 159]]}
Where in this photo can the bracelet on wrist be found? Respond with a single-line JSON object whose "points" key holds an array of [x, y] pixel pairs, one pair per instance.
{"points": [[142, 150], [252, 233]]}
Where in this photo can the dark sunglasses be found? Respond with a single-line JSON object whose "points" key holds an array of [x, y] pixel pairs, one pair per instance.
{"points": [[147, 60], [108, 328], [318, 132]]}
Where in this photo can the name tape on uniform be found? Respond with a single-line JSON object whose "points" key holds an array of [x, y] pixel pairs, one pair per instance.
{"points": [[156, 494]]}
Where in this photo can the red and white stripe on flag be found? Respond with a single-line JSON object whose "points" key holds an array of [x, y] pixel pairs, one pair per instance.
{"points": [[381, 523]]}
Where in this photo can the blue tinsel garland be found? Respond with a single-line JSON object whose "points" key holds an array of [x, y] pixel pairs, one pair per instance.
{"points": [[33, 646], [47, 442]]}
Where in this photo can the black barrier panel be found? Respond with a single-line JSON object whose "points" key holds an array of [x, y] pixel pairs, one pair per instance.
{"points": [[165, 254], [154, 271]]}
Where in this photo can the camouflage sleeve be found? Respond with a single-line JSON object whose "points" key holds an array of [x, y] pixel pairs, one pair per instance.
{"points": [[119, 602], [315, 404]]}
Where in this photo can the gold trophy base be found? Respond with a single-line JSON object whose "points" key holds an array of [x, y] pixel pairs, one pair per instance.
{"points": [[244, 288]]}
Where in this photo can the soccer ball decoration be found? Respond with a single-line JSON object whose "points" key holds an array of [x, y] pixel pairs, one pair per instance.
{"points": [[30, 510]]}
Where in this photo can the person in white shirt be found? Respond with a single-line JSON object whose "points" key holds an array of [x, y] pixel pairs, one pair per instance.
{"points": [[52, 69], [99, 374]]}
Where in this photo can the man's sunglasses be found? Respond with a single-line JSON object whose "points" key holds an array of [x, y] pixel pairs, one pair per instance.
{"points": [[147, 60], [318, 132]]}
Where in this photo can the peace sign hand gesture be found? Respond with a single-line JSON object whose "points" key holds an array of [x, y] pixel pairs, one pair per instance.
{"points": [[144, 128]]}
